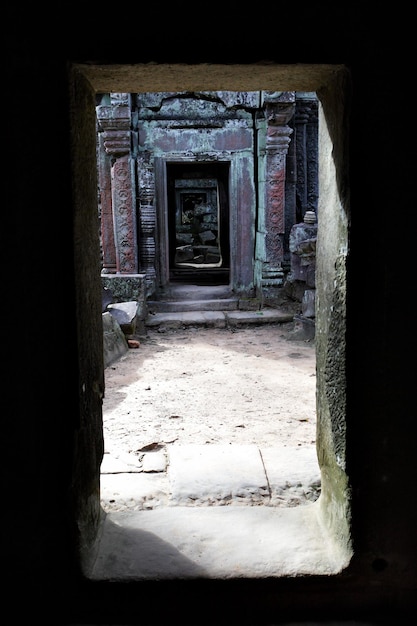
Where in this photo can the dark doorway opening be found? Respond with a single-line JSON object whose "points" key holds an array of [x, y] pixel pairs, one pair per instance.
{"points": [[198, 223]]}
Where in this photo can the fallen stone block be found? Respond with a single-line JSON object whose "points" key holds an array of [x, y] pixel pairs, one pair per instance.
{"points": [[114, 341], [125, 313]]}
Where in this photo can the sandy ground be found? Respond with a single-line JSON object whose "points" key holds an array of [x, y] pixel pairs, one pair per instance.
{"points": [[249, 385]]}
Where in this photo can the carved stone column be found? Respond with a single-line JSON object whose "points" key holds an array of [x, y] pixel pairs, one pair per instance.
{"points": [[147, 219], [290, 198], [116, 137], [313, 157], [108, 248], [306, 131], [279, 108], [301, 119]]}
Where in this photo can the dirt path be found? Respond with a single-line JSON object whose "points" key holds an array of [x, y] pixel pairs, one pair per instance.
{"points": [[249, 385]]}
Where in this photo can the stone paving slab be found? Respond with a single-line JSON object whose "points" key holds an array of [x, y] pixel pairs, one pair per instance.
{"points": [[134, 491], [294, 475], [124, 462], [218, 474], [211, 475]]}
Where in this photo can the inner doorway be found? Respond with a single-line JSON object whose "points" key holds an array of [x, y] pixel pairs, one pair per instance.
{"points": [[198, 223]]}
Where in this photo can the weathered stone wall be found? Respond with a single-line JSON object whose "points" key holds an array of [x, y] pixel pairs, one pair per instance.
{"points": [[255, 133]]}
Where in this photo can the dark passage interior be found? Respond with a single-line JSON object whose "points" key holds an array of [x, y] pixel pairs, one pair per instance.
{"points": [[198, 223]]}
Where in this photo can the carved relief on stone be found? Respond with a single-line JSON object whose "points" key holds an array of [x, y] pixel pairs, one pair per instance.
{"points": [[278, 137], [312, 152], [113, 117], [124, 217], [119, 98], [147, 217], [114, 124], [116, 142]]}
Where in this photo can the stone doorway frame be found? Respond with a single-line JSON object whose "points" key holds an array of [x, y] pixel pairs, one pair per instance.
{"points": [[241, 231], [332, 86], [161, 166]]}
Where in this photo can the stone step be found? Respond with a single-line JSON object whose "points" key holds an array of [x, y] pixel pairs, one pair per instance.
{"points": [[173, 306], [217, 319], [189, 291]]}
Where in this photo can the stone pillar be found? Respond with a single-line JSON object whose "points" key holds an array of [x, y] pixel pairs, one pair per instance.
{"points": [[301, 119], [108, 248], [279, 109], [124, 216], [290, 199], [313, 157], [306, 132], [147, 220], [114, 122]]}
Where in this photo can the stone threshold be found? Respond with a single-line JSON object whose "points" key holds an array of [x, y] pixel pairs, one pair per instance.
{"points": [[215, 543]]}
